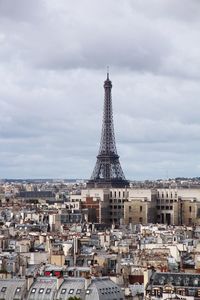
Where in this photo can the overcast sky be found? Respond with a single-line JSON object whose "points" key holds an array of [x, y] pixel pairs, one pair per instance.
{"points": [[53, 58]]}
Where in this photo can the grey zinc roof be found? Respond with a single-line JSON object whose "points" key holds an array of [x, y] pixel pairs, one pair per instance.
{"points": [[72, 287], [103, 289], [44, 288], [177, 279], [12, 289]]}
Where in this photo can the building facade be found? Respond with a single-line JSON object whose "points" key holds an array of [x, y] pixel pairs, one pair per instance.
{"points": [[129, 205]]}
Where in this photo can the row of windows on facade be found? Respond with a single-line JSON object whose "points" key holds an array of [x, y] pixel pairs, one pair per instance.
{"points": [[63, 291], [166, 201], [120, 194], [162, 195], [180, 291], [17, 291], [158, 217], [189, 220], [164, 207], [117, 200], [170, 208], [126, 194], [78, 291], [116, 207], [158, 207]]}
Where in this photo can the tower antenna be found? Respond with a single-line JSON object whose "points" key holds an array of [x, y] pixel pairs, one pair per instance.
{"points": [[108, 72]]}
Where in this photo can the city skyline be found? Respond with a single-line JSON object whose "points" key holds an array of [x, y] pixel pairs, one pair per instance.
{"points": [[53, 58]]}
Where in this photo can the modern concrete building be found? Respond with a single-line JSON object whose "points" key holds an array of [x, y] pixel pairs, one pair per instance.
{"points": [[178, 206], [140, 207], [129, 205]]}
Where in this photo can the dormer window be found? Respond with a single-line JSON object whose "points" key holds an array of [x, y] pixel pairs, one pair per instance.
{"points": [[33, 291]]}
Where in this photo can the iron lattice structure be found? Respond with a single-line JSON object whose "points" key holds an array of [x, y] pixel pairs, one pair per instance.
{"points": [[107, 171]]}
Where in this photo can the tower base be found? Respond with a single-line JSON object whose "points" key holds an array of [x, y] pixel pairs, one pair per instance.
{"points": [[112, 183]]}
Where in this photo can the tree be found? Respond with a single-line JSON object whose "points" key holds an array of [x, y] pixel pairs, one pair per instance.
{"points": [[74, 298]]}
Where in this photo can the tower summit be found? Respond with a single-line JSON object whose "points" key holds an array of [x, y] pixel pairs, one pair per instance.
{"points": [[107, 171]]}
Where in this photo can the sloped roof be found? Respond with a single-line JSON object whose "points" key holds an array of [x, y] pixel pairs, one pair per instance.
{"points": [[12, 289], [44, 288]]}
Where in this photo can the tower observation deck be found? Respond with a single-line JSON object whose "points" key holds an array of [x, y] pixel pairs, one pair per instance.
{"points": [[107, 171]]}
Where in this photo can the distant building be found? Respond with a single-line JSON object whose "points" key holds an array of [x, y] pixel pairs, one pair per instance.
{"points": [[173, 286]]}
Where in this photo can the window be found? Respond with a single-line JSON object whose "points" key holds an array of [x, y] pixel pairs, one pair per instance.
{"points": [[71, 291], [129, 208], [130, 220], [48, 291], [63, 291], [41, 291], [156, 291], [167, 195], [119, 194], [18, 290], [4, 288], [196, 281], [140, 220], [140, 208], [181, 292], [33, 291], [190, 208], [78, 291], [88, 292]]}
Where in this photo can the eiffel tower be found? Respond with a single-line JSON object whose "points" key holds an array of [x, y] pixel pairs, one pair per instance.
{"points": [[107, 171]]}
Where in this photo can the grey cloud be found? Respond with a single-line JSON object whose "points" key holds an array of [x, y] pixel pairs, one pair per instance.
{"points": [[21, 10], [53, 56]]}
